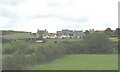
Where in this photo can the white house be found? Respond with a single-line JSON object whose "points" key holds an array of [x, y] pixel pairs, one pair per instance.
{"points": [[52, 35]]}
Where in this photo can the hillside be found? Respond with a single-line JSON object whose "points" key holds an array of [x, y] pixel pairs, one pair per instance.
{"points": [[17, 36]]}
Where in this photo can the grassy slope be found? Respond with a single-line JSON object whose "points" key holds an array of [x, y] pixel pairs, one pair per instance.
{"points": [[114, 39], [17, 36], [51, 42], [81, 62], [0, 45]]}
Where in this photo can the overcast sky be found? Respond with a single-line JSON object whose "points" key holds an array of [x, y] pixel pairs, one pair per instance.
{"points": [[53, 15]]}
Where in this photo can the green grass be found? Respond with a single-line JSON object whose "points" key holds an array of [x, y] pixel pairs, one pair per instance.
{"points": [[81, 62], [38, 45], [0, 49], [0, 45], [17, 36], [114, 39], [52, 41]]}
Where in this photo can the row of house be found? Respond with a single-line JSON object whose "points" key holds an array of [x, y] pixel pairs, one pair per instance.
{"points": [[65, 33]]}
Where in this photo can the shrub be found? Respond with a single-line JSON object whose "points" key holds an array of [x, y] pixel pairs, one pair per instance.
{"points": [[98, 43], [45, 54], [44, 41], [65, 42], [8, 51], [20, 46], [15, 62], [75, 48], [55, 42], [6, 40]]}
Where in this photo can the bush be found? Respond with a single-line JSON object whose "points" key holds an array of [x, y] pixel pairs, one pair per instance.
{"points": [[55, 42], [65, 42], [75, 48], [98, 43], [15, 62], [45, 54], [20, 46], [8, 51], [44, 41], [6, 40]]}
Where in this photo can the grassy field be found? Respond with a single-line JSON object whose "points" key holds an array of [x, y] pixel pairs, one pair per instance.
{"points": [[0, 51], [0, 45], [51, 42], [81, 62], [17, 36], [114, 39]]}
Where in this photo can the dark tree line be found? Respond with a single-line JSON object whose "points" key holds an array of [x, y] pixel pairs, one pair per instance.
{"points": [[5, 32], [112, 33]]}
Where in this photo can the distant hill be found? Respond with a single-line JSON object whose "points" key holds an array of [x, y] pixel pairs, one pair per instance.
{"points": [[6, 32], [17, 36], [10, 34]]}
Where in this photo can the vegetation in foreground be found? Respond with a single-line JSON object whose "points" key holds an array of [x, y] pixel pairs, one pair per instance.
{"points": [[23, 56], [82, 62]]}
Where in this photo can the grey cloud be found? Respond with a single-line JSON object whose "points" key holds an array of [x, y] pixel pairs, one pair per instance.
{"points": [[11, 2], [73, 19], [41, 16], [59, 4], [70, 19], [8, 8], [13, 23], [73, 26], [107, 25], [7, 26], [7, 12]]}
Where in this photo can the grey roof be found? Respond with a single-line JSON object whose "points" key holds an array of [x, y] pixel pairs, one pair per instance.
{"points": [[59, 31], [41, 32], [33, 36], [60, 34], [78, 33], [52, 34], [65, 32], [45, 34]]}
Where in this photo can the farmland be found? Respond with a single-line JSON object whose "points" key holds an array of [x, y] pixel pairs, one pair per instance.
{"points": [[17, 36], [81, 62]]}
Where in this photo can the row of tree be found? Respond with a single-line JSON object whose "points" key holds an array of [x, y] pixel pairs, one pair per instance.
{"points": [[5, 32], [109, 32], [95, 43]]}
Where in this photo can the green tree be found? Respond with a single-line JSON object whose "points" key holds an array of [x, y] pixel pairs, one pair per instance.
{"points": [[108, 31], [20, 47], [98, 43], [86, 32], [117, 31], [17, 61]]}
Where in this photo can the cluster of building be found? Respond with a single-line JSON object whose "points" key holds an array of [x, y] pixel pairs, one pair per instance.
{"points": [[65, 33]]}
